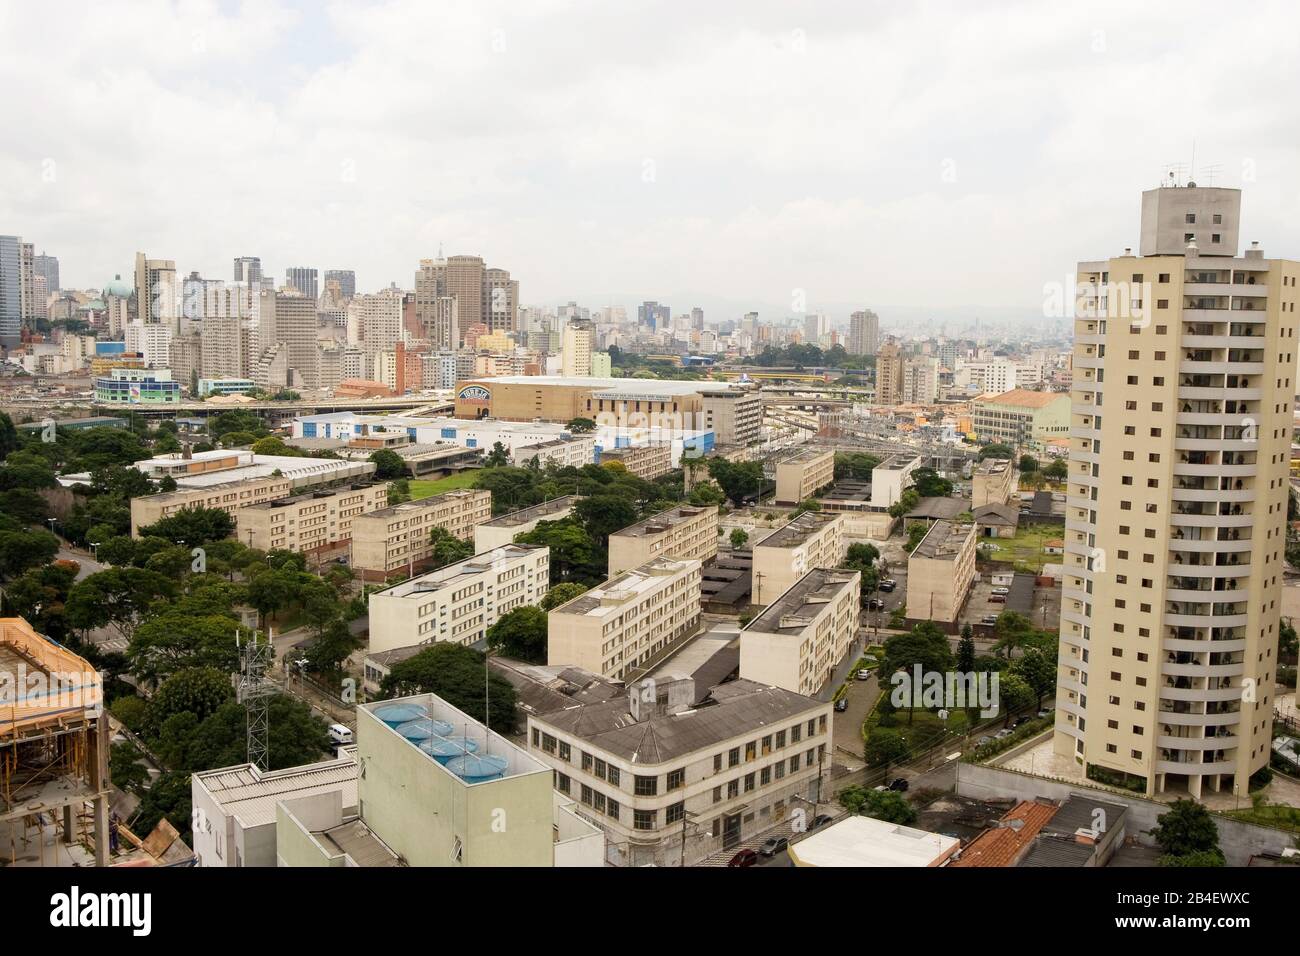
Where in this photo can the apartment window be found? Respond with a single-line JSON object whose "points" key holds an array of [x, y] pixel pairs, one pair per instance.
{"points": [[613, 776], [733, 789], [537, 737], [717, 794], [612, 809], [676, 813], [676, 779], [733, 757], [749, 751], [561, 782], [717, 763], [1113, 724], [566, 751], [765, 776], [644, 819], [646, 786], [1110, 749], [1190, 219]]}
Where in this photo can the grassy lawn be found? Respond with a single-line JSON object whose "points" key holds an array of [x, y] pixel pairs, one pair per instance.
{"points": [[424, 488], [1026, 548], [1284, 818]]}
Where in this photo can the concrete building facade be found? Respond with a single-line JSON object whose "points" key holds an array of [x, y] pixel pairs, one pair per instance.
{"points": [[812, 540], [680, 533], [311, 522], [398, 538], [940, 572], [799, 639], [802, 474]]}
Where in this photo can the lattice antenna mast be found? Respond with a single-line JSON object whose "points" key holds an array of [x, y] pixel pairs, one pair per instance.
{"points": [[254, 693]]}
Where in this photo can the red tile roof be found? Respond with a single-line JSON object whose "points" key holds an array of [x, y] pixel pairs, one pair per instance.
{"points": [[1001, 846]]}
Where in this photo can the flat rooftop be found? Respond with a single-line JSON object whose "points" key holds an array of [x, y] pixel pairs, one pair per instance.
{"points": [[454, 574], [661, 523], [993, 466], [249, 794], [798, 531], [864, 841], [944, 540], [794, 610], [639, 386], [534, 513], [312, 496], [804, 456], [897, 462], [419, 504], [628, 586]]}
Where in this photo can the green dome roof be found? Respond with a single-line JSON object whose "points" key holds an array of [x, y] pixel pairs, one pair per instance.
{"points": [[118, 288]]}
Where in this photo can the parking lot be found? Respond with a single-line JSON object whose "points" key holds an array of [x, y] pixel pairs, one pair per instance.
{"points": [[1044, 610]]}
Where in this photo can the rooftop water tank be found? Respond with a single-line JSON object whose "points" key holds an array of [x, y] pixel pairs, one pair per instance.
{"points": [[473, 768], [423, 728], [394, 714], [444, 749]]}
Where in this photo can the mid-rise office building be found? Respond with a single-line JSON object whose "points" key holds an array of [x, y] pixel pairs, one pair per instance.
{"points": [[459, 602], [812, 540], [799, 639], [940, 572], [579, 339], [1177, 501], [800, 475], [398, 539], [620, 628], [157, 292], [680, 533], [316, 521], [346, 278], [1021, 418], [734, 416], [302, 280]]}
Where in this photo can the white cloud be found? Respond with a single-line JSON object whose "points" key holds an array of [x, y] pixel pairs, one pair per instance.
{"points": [[946, 156]]}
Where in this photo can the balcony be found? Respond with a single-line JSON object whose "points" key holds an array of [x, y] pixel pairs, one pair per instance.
{"points": [[1195, 769]]}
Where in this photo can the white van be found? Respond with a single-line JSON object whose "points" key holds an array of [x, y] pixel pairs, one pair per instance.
{"points": [[340, 735]]}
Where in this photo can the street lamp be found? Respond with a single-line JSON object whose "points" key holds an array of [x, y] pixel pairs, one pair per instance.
{"points": [[95, 546]]}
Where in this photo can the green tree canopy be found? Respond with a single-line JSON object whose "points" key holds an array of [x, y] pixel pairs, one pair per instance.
{"points": [[455, 673], [521, 634]]}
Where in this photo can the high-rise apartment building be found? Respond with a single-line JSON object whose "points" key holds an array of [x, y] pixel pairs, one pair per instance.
{"points": [[375, 321], [458, 292], [889, 374], [864, 333], [1177, 501], [579, 337], [921, 380], [157, 295], [288, 320], [304, 280]]}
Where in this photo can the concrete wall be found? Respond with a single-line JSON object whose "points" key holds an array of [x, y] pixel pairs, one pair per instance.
{"points": [[1239, 840]]}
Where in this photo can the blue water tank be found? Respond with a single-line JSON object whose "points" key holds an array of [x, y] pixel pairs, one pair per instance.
{"points": [[473, 768], [445, 749], [394, 714], [423, 728]]}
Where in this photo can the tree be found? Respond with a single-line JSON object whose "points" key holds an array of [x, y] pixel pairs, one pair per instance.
{"points": [[574, 556], [580, 426], [271, 590], [706, 495], [562, 594], [388, 464], [966, 650], [1186, 828], [178, 640], [498, 457], [604, 514], [1016, 693], [1028, 463], [192, 526], [739, 538], [929, 484], [124, 767], [915, 532], [332, 646], [808, 504], [905, 503], [884, 747], [20, 550], [116, 596], [273, 445], [924, 645], [1037, 670], [1012, 630], [447, 548], [455, 673], [997, 450], [520, 633], [1057, 469], [738, 480], [197, 691], [861, 555], [884, 805]]}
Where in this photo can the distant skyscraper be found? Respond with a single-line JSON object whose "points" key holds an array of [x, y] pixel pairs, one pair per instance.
{"points": [[458, 292], [579, 336], [864, 333], [653, 315], [48, 266], [304, 280], [248, 269], [815, 327], [11, 314], [889, 374], [156, 293], [697, 319], [288, 321], [346, 278]]}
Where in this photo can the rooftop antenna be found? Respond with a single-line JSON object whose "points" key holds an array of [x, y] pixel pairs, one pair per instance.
{"points": [[1211, 172]]}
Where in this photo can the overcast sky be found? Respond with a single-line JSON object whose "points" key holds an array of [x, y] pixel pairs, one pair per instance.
{"points": [[938, 158]]}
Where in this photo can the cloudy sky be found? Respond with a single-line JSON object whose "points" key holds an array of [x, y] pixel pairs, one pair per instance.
{"points": [[942, 159]]}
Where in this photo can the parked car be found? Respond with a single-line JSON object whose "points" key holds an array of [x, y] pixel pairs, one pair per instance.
{"points": [[1002, 590], [773, 845], [888, 585], [842, 705], [899, 785], [864, 674], [1020, 721], [997, 599], [1003, 733], [984, 740], [1044, 713], [819, 821], [875, 604], [989, 619], [743, 858]]}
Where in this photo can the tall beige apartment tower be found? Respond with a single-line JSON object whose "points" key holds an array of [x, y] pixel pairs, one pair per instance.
{"points": [[1177, 500], [864, 333], [288, 320], [575, 355], [156, 291], [889, 374]]}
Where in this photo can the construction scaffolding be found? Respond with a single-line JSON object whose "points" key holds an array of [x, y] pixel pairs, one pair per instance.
{"points": [[54, 743]]}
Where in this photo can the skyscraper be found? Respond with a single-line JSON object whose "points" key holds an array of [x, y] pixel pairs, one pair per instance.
{"points": [[287, 321], [248, 269], [458, 292], [303, 279], [889, 374], [864, 333], [157, 296], [11, 295], [1177, 501], [579, 338], [346, 278], [48, 266]]}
